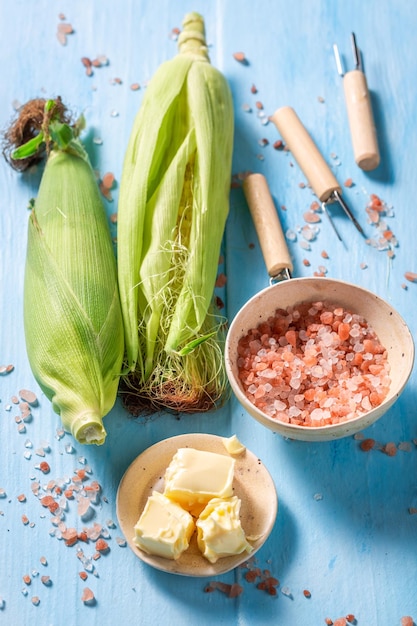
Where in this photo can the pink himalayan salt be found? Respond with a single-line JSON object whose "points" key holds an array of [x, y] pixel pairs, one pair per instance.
{"points": [[313, 365]]}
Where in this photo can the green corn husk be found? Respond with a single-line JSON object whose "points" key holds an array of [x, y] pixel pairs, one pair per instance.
{"points": [[72, 316], [173, 205]]}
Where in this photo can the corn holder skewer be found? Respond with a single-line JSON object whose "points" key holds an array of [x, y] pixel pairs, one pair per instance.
{"points": [[311, 162], [359, 110]]}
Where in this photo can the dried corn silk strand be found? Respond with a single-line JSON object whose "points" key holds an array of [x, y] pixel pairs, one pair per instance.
{"points": [[313, 365]]}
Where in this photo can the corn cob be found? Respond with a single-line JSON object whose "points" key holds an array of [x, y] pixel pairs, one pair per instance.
{"points": [[173, 205], [72, 316]]}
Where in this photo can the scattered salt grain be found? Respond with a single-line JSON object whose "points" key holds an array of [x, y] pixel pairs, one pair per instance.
{"points": [[367, 444], [286, 591], [88, 596], [304, 245], [240, 57], [309, 232], [390, 449], [404, 446], [291, 235], [411, 277], [63, 30], [121, 542]]}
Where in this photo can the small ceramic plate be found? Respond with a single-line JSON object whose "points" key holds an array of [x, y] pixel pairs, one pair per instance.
{"points": [[252, 484]]}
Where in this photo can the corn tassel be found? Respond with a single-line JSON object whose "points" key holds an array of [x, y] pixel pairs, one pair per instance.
{"points": [[72, 316], [173, 205]]}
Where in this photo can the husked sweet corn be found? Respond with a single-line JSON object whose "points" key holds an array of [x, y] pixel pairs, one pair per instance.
{"points": [[173, 205]]}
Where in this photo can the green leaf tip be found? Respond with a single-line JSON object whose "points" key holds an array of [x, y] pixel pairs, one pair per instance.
{"points": [[191, 345]]}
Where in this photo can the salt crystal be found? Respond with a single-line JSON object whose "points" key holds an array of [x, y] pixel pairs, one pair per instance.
{"points": [[279, 405], [286, 591], [309, 232], [121, 542], [405, 446], [69, 448], [83, 507], [88, 596], [267, 373]]}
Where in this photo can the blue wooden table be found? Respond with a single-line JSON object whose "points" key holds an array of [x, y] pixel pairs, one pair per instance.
{"points": [[346, 529]]}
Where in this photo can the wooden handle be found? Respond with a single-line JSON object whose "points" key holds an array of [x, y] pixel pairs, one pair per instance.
{"points": [[306, 153], [361, 120], [268, 227]]}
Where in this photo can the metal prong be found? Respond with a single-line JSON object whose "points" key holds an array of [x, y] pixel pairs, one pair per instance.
{"points": [[339, 64], [356, 53], [346, 209], [324, 207], [284, 274]]}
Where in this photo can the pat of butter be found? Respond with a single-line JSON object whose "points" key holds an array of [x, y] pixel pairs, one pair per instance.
{"points": [[195, 476], [164, 528], [233, 445], [219, 530]]}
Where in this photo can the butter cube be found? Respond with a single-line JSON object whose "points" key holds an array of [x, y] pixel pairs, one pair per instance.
{"points": [[164, 528], [194, 477], [233, 445], [219, 530]]}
